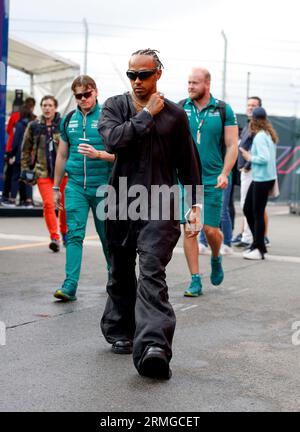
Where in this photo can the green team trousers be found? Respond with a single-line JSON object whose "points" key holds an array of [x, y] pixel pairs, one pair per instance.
{"points": [[78, 202]]}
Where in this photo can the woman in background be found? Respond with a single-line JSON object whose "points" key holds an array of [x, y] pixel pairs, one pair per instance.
{"points": [[263, 162]]}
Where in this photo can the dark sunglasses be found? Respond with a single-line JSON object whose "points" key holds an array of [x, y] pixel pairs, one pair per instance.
{"points": [[142, 75], [86, 95]]}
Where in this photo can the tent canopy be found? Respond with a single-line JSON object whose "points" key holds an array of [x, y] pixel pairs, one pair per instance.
{"points": [[50, 73], [34, 60]]}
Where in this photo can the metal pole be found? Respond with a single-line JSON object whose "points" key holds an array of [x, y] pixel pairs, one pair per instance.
{"points": [[86, 40], [31, 86], [224, 66], [248, 84]]}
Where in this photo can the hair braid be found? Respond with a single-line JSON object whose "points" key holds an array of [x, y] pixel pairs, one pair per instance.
{"points": [[152, 53]]}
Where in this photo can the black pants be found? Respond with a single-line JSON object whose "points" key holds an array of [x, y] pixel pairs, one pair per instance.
{"points": [[8, 172], [139, 309], [231, 206], [19, 186], [254, 209]]}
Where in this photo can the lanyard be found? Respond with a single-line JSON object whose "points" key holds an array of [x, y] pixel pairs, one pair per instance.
{"points": [[197, 115], [200, 122]]}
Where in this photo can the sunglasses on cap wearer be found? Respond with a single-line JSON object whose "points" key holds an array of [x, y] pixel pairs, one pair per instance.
{"points": [[142, 75], [86, 95]]}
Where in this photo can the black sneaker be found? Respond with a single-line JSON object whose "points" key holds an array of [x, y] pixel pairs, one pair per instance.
{"points": [[9, 203], [54, 245], [29, 204], [242, 244]]}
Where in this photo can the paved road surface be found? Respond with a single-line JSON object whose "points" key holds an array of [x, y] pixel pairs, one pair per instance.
{"points": [[233, 347]]}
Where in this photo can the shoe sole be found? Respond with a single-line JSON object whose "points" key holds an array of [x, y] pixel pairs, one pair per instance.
{"points": [[188, 294], [117, 350], [155, 367], [253, 259], [217, 283], [65, 298]]}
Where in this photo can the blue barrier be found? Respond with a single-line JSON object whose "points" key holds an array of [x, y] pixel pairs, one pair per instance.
{"points": [[4, 8]]}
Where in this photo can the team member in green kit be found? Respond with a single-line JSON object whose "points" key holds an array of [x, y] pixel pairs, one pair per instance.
{"points": [[214, 129], [81, 154]]}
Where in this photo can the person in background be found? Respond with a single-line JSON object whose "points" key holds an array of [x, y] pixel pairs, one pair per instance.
{"points": [[39, 149], [8, 168], [82, 156], [25, 190], [244, 238], [214, 129], [263, 161]]}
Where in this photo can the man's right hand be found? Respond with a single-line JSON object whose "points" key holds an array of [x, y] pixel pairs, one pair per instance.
{"points": [[57, 200], [193, 225], [155, 103]]}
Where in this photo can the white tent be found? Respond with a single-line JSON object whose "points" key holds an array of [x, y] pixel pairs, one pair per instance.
{"points": [[49, 73]]}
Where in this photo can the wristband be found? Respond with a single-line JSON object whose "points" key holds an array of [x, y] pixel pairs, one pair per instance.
{"points": [[55, 188], [146, 109]]}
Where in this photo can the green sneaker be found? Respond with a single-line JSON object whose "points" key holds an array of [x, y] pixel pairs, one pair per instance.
{"points": [[65, 294], [217, 274], [195, 288]]}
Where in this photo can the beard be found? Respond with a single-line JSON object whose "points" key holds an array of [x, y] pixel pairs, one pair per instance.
{"points": [[198, 96]]}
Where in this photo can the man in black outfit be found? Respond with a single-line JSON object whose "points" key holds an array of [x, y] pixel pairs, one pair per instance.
{"points": [[150, 137]]}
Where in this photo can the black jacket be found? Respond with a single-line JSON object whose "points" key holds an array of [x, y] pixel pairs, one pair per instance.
{"points": [[149, 151], [246, 141], [16, 146]]}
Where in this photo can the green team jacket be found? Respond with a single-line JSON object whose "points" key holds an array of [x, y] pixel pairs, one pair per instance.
{"points": [[82, 170]]}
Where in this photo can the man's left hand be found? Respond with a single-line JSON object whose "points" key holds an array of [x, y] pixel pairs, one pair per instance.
{"points": [[88, 151]]}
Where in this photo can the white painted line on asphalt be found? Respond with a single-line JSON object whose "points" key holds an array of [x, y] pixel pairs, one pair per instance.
{"points": [[280, 213], [22, 237], [93, 241], [189, 307], [276, 258], [43, 241], [279, 258], [177, 306], [233, 288], [22, 246], [238, 291]]}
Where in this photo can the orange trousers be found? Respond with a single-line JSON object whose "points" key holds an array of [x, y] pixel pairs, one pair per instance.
{"points": [[46, 191]]}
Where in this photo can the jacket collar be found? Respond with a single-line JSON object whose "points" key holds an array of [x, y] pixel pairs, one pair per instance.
{"points": [[96, 107], [55, 121], [212, 102]]}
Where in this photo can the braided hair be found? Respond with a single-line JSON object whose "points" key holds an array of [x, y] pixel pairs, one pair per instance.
{"points": [[152, 53]]}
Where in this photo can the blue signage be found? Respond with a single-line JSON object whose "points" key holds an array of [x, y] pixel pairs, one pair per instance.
{"points": [[4, 7]]}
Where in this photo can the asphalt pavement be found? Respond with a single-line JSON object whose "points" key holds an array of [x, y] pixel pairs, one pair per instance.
{"points": [[236, 348]]}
